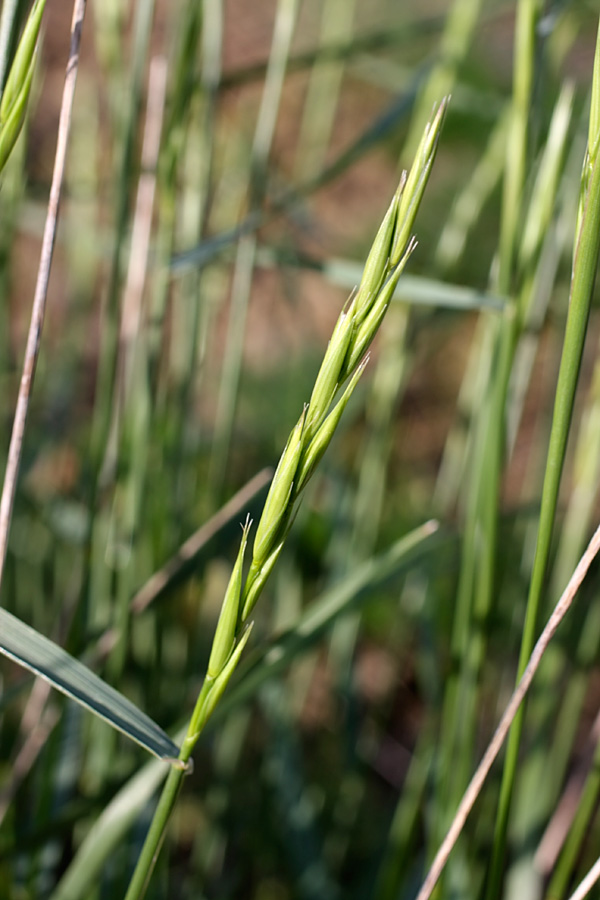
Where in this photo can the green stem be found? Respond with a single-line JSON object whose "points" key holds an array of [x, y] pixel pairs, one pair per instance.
{"points": [[158, 827], [154, 838], [528, 12], [584, 272]]}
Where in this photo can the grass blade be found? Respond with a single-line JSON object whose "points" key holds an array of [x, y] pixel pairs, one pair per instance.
{"points": [[42, 656]]}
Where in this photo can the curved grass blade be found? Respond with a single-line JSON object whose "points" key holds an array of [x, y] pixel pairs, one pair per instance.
{"points": [[42, 656]]}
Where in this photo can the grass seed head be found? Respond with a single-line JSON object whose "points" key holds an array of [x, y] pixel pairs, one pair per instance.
{"points": [[256, 580], [317, 447], [204, 712], [328, 378], [354, 331], [416, 182], [377, 264], [276, 504], [224, 639]]}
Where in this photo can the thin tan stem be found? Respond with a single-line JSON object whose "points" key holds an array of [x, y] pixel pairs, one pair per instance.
{"points": [[517, 697], [41, 288]]}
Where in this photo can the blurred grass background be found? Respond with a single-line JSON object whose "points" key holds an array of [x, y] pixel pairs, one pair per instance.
{"points": [[171, 372]]}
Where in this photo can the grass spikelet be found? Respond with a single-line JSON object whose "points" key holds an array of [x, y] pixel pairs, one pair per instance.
{"points": [[279, 494], [224, 639], [257, 578], [413, 190], [377, 264], [365, 334], [319, 444], [329, 375], [209, 698]]}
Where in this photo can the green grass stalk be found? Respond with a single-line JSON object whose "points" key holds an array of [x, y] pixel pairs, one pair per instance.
{"points": [[156, 835], [573, 657], [518, 147], [106, 416], [126, 130], [587, 247]]}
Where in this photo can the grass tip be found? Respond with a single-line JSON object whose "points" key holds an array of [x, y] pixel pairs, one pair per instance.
{"points": [[364, 362], [402, 183]]}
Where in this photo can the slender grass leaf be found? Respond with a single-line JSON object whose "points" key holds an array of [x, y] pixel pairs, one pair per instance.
{"points": [[37, 653]]}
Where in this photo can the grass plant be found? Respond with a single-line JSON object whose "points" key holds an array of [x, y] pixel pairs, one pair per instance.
{"points": [[337, 674]]}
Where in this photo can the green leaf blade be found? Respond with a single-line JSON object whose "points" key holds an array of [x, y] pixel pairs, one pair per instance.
{"points": [[44, 658]]}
